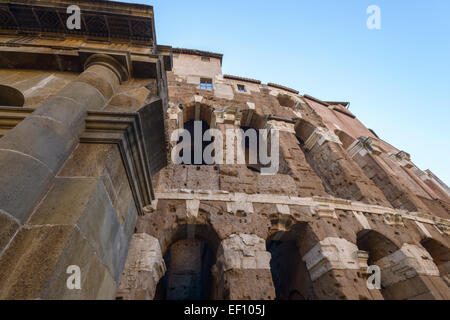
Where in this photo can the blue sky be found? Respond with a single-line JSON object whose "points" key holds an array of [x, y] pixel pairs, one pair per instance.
{"points": [[397, 78]]}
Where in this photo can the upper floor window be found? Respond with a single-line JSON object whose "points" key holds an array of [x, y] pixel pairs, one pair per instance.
{"points": [[206, 84], [206, 59], [241, 88]]}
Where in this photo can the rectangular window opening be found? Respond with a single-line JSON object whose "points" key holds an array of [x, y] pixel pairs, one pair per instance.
{"points": [[206, 84], [241, 88]]}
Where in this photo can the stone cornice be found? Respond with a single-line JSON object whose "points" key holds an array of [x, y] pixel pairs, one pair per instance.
{"points": [[124, 129], [99, 19], [121, 128], [315, 203], [73, 59]]}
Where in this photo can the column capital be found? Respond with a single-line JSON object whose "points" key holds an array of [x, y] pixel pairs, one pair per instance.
{"points": [[319, 136], [110, 63]]}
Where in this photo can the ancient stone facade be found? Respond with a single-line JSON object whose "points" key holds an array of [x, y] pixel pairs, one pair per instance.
{"points": [[87, 178]]}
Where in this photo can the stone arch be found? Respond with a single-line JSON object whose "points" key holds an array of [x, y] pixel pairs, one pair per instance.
{"points": [[441, 257], [407, 271], [373, 246], [195, 230], [197, 111], [345, 138], [325, 268], [290, 275], [186, 117], [376, 244], [189, 253], [11, 97], [190, 127]]}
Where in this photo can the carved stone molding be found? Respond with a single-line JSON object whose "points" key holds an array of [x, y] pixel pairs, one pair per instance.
{"points": [[319, 136], [109, 62], [332, 254], [402, 159], [324, 211], [405, 263], [319, 206], [393, 219], [363, 145], [227, 115]]}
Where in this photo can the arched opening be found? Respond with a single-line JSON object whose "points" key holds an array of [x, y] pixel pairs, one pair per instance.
{"points": [[378, 247], [441, 257], [345, 138], [189, 255], [11, 97], [289, 272], [250, 146], [188, 275], [197, 145]]}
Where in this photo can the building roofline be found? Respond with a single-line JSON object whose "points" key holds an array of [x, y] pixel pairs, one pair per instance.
{"points": [[279, 86], [230, 77], [307, 96], [198, 53], [345, 104]]}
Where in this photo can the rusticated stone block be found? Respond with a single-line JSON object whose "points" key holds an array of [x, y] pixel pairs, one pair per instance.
{"points": [[96, 282], [27, 264], [52, 142], [65, 202], [67, 111], [8, 227], [21, 176], [84, 203], [143, 270]]}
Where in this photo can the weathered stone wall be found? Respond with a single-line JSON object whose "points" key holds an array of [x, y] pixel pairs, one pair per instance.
{"points": [[78, 155], [274, 237], [85, 182], [326, 252]]}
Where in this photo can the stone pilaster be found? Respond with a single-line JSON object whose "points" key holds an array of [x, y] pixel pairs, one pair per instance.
{"points": [[338, 270], [410, 273], [143, 270], [242, 271], [341, 176], [366, 153]]}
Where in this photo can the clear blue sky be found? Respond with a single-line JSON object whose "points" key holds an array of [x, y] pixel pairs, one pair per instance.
{"points": [[397, 78]]}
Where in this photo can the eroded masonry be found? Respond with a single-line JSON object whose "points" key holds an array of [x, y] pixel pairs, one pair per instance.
{"points": [[86, 177]]}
